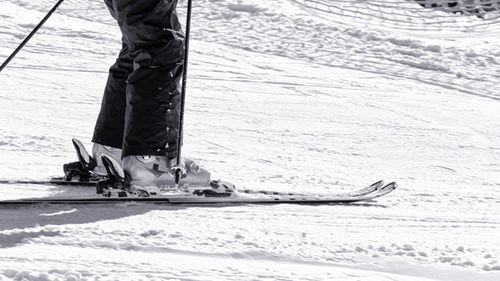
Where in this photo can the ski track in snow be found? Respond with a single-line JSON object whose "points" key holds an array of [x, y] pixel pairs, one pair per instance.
{"points": [[294, 95]]}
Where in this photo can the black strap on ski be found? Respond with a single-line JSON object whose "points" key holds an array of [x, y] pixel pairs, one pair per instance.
{"points": [[178, 171], [30, 35]]}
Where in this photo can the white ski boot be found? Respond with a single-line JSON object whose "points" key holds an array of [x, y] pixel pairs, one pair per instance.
{"points": [[156, 171], [149, 176]]}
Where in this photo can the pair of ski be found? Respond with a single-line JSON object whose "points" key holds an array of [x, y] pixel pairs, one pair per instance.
{"points": [[112, 189], [244, 196]]}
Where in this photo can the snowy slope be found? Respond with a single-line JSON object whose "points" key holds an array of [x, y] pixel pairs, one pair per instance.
{"points": [[287, 95]]}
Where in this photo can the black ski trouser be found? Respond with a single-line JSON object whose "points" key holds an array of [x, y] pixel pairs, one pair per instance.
{"points": [[141, 103]]}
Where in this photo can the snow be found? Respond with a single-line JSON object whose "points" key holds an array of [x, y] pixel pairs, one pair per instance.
{"points": [[289, 95]]}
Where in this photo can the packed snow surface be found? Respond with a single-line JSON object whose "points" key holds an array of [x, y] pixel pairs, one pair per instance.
{"points": [[289, 95]]}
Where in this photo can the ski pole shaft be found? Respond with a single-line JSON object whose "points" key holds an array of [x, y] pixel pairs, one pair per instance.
{"points": [[178, 172], [30, 35]]}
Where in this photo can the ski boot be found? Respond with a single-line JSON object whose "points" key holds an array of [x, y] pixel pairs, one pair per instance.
{"points": [[89, 169], [157, 171], [143, 177]]}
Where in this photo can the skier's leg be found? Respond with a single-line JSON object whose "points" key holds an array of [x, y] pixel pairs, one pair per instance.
{"points": [[110, 122], [152, 32], [108, 131]]}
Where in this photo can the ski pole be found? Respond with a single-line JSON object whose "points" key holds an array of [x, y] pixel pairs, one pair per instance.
{"points": [[178, 169], [30, 35]]}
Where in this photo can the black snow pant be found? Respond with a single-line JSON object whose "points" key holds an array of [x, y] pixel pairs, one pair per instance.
{"points": [[141, 103]]}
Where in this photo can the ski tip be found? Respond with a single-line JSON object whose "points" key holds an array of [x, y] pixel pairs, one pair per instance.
{"points": [[378, 184], [392, 185]]}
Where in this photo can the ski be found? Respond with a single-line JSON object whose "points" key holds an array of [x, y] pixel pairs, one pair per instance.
{"points": [[237, 198], [59, 181]]}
